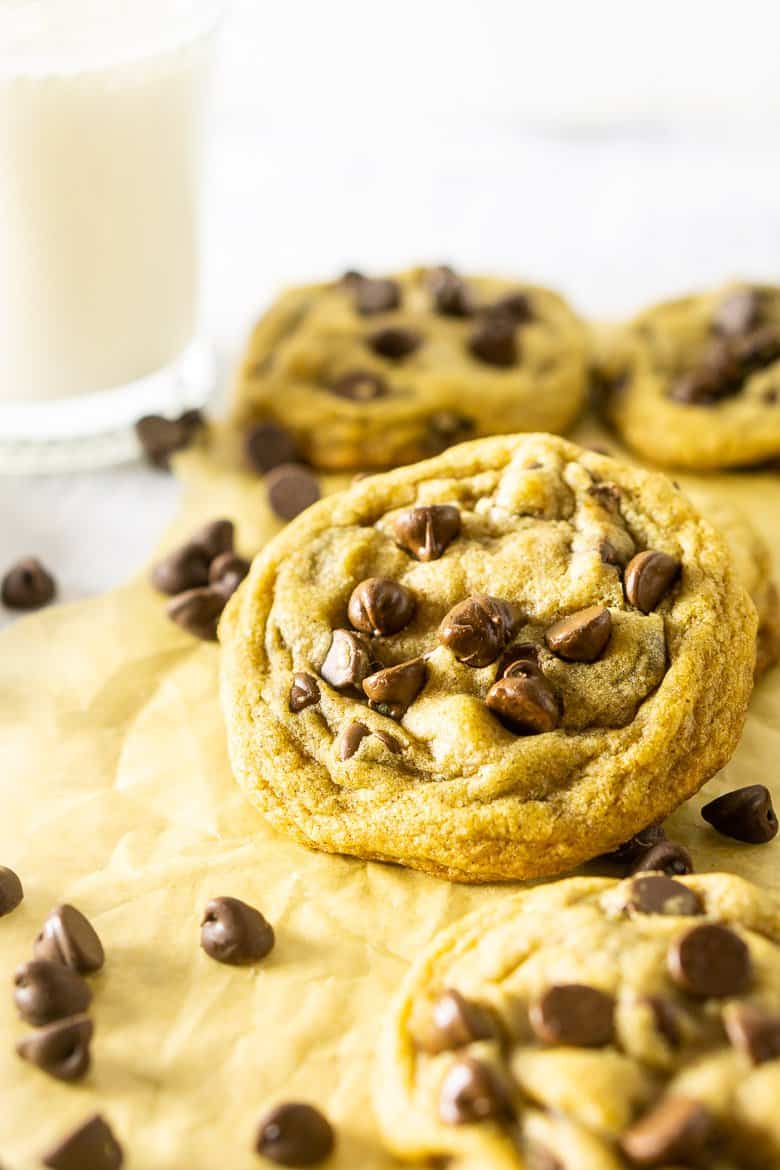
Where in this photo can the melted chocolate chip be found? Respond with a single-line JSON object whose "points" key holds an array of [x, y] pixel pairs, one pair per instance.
{"points": [[710, 961], [160, 438], [393, 690], [493, 340], [304, 692], [390, 742], [380, 606], [295, 1134], [27, 585], [753, 1031], [582, 636], [426, 532], [394, 342], [648, 577], [667, 857], [658, 894], [291, 489], [92, 1146], [267, 445], [472, 1092], [45, 991], [524, 703], [234, 932], [522, 658], [457, 1021], [70, 938], [757, 349], [477, 630], [227, 572], [744, 815], [185, 568], [574, 1014], [675, 1130], [375, 296], [351, 738], [11, 892], [60, 1049], [450, 294], [198, 611], [348, 660], [359, 386]]}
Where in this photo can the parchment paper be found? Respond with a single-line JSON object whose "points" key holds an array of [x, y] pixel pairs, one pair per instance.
{"points": [[117, 796]]}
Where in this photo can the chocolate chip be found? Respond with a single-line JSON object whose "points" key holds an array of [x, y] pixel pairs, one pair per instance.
{"points": [[445, 427], [758, 349], [701, 386], [350, 739], [658, 894], [493, 340], [636, 846], [351, 277], [27, 585], [458, 1021], [393, 690], [753, 1031], [477, 630], [390, 742], [376, 296], [92, 1146], [608, 495], [162, 437], [516, 305], [649, 575], [11, 892], [304, 692], [667, 857], [295, 1134], [665, 1018], [574, 1014], [710, 961], [745, 814], [227, 572], [234, 932], [291, 488], [450, 294], [359, 386], [60, 1049], [611, 555], [267, 445], [45, 991], [674, 1130], [394, 342], [217, 537], [380, 606], [70, 938], [582, 636], [472, 1092], [524, 703], [771, 396], [185, 568], [198, 611], [348, 660], [738, 312], [426, 532]]}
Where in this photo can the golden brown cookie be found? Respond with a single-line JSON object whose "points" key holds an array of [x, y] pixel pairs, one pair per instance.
{"points": [[491, 665], [377, 372]]}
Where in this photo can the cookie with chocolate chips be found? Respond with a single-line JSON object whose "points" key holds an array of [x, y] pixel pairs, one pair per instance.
{"points": [[695, 383], [592, 1023], [375, 372], [545, 702]]}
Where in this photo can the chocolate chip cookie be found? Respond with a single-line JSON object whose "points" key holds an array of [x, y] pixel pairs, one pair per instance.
{"points": [[695, 383], [593, 1025], [491, 665], [367, 372]]}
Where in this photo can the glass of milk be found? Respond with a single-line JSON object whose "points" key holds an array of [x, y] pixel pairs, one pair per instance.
{"points": [[101, 141]]}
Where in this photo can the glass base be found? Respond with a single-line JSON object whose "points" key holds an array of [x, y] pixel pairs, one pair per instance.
{"points": [[98, 430]]}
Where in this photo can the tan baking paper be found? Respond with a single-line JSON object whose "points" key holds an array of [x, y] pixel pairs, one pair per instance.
{"points": [[117, 796]]}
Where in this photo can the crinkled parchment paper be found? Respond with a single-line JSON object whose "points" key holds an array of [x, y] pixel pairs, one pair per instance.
{"points": [[117, 796]]}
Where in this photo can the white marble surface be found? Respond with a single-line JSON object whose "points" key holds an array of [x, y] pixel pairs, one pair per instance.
{"points": [[637, 190]]}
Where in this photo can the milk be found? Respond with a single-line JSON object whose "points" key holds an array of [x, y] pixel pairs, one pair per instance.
{"points": [[101, 105]]}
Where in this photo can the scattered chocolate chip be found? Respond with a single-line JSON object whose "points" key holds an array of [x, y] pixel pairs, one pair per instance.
{"points": [[710, 961], [393, 690], [304, 692], [162, 437], [394, 343], [582, 636], [649, 575], [757, 349], [11, 892], [745, 814], [92, 1146], [267, 445], [450, 294], [575, 1014], [359, 386], [665, 1018], [472, 1092], [60, 1049], [70, 938], [753, 1031], [184, 568], [522, 658], [525, 703], [198, 611], [738, 312], [348, 660], [217, 537], [636, 846], [516, 305], [227, 572], [27, 585], [457, 1021], [667, 857], [291, 488], [233, 932], [295, 1135], [477, 630], [45, 991], [426, 532], [375, 296], [350, 739], [658, 894], [390, 742], [380, 606], [674, 1130], [493, 340]]}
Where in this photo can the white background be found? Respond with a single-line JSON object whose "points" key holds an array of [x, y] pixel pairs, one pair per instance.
{"points": [[618, 151]]}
